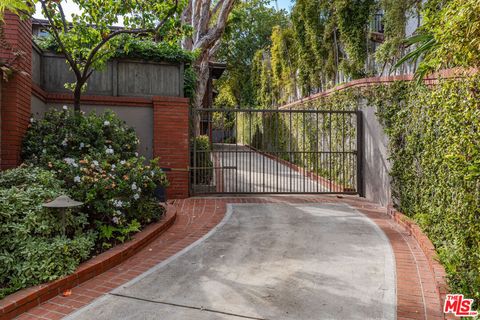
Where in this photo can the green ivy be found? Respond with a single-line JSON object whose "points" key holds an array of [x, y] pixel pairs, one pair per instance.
{"points": [[135, 48], [434, 136]]}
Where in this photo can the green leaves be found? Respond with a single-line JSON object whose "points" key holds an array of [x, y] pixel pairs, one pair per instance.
{"points": [[449, 37], [435, 156], [95, 156], [32, 249], [18, 7]]}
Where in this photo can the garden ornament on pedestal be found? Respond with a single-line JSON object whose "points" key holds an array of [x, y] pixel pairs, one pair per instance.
{"points": [[62, 203]]}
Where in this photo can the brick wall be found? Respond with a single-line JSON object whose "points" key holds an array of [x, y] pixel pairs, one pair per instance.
{"points": [[16, 93], [170, 142]]}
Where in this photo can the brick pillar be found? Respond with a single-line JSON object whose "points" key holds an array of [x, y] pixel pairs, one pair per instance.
{"points": [[170, 142], [16, 92]]}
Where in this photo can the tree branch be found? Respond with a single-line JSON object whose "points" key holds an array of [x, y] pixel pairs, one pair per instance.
{"points": [[62, 14], [213, 34], [55, 34], [217, 6], [112, 35]]}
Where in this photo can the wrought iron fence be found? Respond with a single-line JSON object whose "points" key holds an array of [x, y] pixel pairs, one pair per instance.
{"points": [[275, 151]]}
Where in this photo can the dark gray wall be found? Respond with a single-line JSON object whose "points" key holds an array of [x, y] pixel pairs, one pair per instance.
{"points": [[376, 166], [120, 77]]}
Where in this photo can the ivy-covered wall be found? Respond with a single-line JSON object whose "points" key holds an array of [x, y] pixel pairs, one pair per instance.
{"points": [[434, 147]]}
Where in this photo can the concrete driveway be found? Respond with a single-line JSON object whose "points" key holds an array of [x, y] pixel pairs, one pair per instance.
{"points": [[245, 170], [268, 261]]}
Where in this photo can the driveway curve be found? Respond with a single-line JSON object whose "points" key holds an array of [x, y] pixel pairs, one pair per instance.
{"points": [[267, 261]]}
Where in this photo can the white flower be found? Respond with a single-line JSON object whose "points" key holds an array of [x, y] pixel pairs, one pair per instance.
{"points": [[44, 151], [65, 108], [76, 179], [69, 161], [122, 162], [64, 142], [82, 145], [95, 162], [32, 120], [113, 167], [118, 203], [106, 123], [136, 196], [136, 154], [134, 186], [75, 165], [115, 220], [109, 150]]}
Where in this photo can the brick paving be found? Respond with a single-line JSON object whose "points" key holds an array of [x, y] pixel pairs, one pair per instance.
{"points": [[417, 295]]}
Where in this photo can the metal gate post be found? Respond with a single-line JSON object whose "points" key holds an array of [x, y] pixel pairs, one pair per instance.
{"points": [[360, 148]]}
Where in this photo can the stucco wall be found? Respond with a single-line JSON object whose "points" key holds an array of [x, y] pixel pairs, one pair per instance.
{"points": [[140, 118], [376, 181]]}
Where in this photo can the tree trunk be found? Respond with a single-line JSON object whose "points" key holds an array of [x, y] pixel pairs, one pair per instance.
{"points": [[203, 73], [77, 94], [206, 34]]}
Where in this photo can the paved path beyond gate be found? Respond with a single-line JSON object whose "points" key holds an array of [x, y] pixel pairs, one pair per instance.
{"points": [[268, 261]]}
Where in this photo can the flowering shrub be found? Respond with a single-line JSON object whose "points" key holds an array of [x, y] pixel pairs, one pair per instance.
{"points": [[95, 155], [114, 192], [33, 248], [68, 134]]}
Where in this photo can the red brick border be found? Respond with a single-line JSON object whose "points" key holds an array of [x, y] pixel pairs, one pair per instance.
{"points": [[170, 142], [428, 249], [16, 93], [22, 301]]}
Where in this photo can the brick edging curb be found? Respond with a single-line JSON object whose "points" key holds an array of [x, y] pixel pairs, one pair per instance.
{"points": [[428, 249], [21, 301]]}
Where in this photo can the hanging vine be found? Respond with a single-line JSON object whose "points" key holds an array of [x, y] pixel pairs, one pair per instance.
{"points": [[352, 19]]}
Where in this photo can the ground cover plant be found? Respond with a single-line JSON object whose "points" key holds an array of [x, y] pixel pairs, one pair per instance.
{"points": [[33, 248]]}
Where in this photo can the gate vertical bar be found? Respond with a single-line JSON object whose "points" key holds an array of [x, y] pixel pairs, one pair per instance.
{"points": [[360, 153]]}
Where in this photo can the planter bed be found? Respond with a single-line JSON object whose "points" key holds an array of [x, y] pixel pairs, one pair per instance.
{"points": [[23, 300]]}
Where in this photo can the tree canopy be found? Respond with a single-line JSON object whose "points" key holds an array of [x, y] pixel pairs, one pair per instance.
{"points": [[249, 29]]}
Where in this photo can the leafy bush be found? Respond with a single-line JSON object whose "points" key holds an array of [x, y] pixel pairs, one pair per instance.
{"points": [[434, 136], [202, 160], [114, 191], [32, 247], [153, 51], [95, 156]]}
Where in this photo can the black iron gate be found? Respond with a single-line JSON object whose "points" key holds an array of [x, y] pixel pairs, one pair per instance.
{"points": [[235, 151]]}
